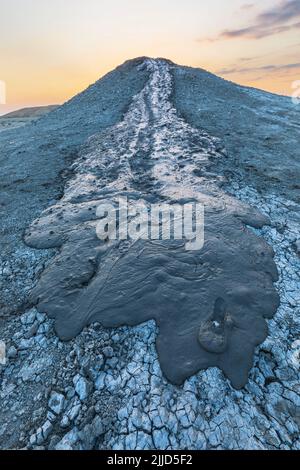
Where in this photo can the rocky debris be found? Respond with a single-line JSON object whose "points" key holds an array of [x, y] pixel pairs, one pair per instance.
{"points": [[17, 272]]}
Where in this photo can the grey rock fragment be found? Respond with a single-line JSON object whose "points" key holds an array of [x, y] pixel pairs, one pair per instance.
{"points": [[12, 352], [56, 402], [82, 387], [68, 442]]}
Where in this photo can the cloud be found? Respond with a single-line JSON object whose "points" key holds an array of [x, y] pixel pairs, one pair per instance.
{"points": [[263, 68], [257, 31], [285, 11], [247, 59], [277, 20]]}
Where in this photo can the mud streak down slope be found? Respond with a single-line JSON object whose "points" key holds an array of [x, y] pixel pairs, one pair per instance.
{"points": [[210, 305]]}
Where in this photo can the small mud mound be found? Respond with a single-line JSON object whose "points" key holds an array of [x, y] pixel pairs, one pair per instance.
{"points": [[210, 304]]}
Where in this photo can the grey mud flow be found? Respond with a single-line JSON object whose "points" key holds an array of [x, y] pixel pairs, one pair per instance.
{"points": [[210, 305]]}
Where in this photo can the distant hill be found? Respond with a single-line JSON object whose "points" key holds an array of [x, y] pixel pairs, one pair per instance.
{"points": [[34, 112], [23, 116]]}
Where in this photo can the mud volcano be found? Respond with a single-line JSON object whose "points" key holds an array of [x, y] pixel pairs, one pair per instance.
{"points": [[210, 305]]}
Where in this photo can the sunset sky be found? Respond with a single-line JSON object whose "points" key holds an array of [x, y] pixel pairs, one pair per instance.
{"points": [[52, 49]]}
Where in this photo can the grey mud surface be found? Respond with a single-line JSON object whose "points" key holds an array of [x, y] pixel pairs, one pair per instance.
{"points": [[105, 388]]}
